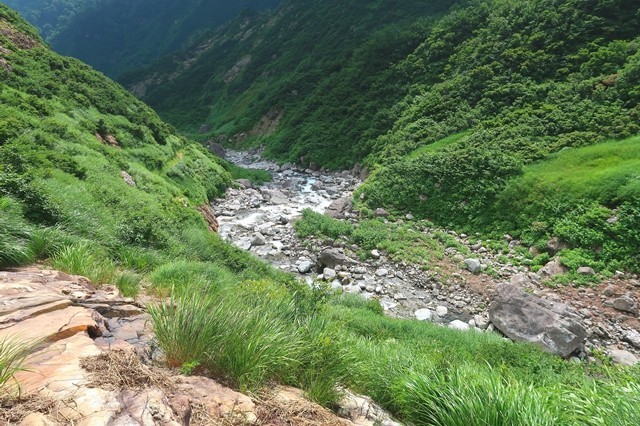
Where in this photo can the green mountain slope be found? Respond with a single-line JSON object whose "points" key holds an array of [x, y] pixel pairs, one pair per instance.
{"points": [[116, 35], [512, 82], [324, 64], [85, 164], [50, 16]]}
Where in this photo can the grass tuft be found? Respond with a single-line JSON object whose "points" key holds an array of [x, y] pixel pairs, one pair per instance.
{"points": [[13, 356]]}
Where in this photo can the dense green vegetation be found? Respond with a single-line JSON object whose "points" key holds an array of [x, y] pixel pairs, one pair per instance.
{"points": [[423, 373], [50, 16], [116, 35], [331, 86], [402, 242], [454, 110], [67, 134]]}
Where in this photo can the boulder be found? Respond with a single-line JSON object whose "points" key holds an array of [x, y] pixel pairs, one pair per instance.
{"points": [[586, 270], [278, 198], [622, 357], [244, 183], [305, 266], [442, 311], [332, 257], [258, 240], [554, 245], [523, 317], [633, 338], [382, 272], [339, 207], [459, 325], [424, 314], [473, 265], [552, 269], [626, 304], [329, 274]]}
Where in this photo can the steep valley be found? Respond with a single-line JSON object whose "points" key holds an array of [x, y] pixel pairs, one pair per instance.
{"points": [[342, 213]]}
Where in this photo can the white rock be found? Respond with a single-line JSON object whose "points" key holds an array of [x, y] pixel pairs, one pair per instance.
{"points": [[442, 311], [305, 267], [375, 254], [329, 274], [481, 322], [424, 314], [633, 337], [382, 272], [258, 240], [622, 357], [459, 325]]}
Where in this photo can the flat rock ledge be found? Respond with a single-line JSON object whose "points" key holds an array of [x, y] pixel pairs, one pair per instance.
{"points": [[92, 367]]}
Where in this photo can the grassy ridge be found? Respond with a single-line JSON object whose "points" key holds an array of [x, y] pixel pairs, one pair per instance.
{"points": [[588, 196], [68, 135]]}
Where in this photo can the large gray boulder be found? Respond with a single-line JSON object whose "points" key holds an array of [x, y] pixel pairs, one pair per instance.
{"points": [[332, 257], [555, 327]]}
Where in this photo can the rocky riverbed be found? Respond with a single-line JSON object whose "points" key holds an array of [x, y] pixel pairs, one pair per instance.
{"points": [[455, 293]]}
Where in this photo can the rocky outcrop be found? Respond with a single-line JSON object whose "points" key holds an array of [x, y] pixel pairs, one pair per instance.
{"points": [[217, 149], [92, 370], [523, 317], [128, 179], [209, 216]]}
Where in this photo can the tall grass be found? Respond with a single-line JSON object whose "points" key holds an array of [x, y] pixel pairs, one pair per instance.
{"points": [[248, 338], [183, 276], [15, 234], [244, 346], [128, 283], [468, 395], [85, 259], [13, 356], [597, 402]]}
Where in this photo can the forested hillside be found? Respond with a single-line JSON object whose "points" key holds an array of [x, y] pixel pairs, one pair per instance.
{"points": [[116, 35], [450, 109], [50, 16]]}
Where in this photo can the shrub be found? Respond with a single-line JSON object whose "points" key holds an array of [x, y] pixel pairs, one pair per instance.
{"points": [[317, 224]]}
